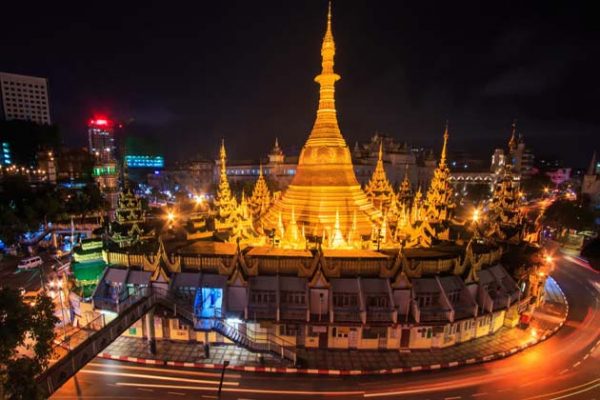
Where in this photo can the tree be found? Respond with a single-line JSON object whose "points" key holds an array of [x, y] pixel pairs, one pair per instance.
{"points": [[564, 214], [19, 322]]}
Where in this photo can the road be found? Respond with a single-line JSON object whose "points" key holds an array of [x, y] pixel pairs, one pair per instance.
{"points": [[563, 367]]}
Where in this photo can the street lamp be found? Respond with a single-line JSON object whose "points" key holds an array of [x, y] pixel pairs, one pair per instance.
{"points": [[59, 284], [225, 364]]}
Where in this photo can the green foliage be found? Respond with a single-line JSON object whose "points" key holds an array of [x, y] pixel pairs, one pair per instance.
{"points": [[20, 384], [18, 322], [568, 214]]}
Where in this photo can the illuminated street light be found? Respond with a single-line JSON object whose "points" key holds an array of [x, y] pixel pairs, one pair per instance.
{"points": [[199, 199], [476, 215], [549, 259]]}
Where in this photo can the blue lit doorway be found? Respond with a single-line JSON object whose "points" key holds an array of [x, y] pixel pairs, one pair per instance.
{"points": [[208, 302]]}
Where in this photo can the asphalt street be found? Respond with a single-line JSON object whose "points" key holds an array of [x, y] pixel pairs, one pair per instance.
{"points": [[563, 367]]}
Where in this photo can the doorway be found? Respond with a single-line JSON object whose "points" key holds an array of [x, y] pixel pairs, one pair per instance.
{"points": [[405, 338]]}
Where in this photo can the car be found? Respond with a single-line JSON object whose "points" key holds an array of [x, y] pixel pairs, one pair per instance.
{"points": [[30, 263]]}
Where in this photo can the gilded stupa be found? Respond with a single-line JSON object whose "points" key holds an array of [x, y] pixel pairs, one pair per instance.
{"points": [[324, 194]]}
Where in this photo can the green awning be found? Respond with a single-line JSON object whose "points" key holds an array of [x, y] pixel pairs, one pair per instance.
{"points": [[88, 272]]}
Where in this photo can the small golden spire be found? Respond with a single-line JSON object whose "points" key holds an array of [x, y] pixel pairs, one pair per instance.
{"points": [[222, 153], [380, 156], [443, 155], [260, 171]]}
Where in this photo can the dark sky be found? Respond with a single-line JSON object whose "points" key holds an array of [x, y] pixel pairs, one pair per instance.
{"points": [[192, 72]]}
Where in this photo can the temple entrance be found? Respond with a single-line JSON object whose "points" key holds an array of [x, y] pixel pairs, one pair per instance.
{"points": [[208, 302]]}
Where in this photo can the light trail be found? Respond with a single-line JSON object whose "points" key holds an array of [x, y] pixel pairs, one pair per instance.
{"points": [[241, 390], [156, 377], [587, 387], [173, 371]]}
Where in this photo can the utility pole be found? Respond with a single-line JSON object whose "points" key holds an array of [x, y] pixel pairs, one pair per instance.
{"points": [[225, 364]]}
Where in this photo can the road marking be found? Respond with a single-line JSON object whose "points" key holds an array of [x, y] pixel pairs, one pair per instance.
{"points": [[157, 377], [240, 390], [479, 394], [453, 398], [576, 364]]}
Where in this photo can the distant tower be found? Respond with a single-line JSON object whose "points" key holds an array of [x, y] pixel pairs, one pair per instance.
{"points": [[102, 147], [101, 139], [276, 155]]}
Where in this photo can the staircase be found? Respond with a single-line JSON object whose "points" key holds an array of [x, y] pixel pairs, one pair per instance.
{"points": [[255, 342]]}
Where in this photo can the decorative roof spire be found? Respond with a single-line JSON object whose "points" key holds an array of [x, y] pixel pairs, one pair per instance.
{"points": [[512, 143], [326, 124], [443, 155], [592, 167], [222, 153]]}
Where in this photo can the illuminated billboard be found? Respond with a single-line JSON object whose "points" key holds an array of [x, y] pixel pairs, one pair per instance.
{"points": [[139, 161]]}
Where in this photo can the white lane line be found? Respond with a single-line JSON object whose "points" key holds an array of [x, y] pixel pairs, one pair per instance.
{"points": [[576, 364], [157, 377]]}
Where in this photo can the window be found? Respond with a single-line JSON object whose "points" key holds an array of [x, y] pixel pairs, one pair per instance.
{"points": [[374, 332], [262, 297], [289, 330], [425, 333], [425, 299], [345, 300], [293, 298], [454, 296], [378, 301]]}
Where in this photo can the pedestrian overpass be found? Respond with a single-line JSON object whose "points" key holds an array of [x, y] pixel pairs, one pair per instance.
{"points": [[88, 341]]}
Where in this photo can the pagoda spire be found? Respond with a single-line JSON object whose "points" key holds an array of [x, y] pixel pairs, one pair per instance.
{"points": [[224, 201], [512, 143], [379, 189], [326, 125], [592, 167], [443, 155]]}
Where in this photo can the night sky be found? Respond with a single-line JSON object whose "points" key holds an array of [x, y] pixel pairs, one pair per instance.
{"points": [[192, 73]]}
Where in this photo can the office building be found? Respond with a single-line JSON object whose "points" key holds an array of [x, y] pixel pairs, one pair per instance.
{"points": [[24, 97]]}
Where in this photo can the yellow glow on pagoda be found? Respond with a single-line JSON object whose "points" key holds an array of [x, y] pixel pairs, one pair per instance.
{"points": [[325, 194]]}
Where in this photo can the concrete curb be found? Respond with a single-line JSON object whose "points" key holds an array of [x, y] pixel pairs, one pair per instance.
{"points": [[353, 372]]}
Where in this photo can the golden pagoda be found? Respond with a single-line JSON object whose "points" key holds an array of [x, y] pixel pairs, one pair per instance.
{"points": [[439, 201], [405, 191], [324, 192], [260, 200], [379, 189], [225, 203]]}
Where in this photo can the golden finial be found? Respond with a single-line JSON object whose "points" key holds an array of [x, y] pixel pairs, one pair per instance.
{"points": [[443, 155], [260, 171], [222, 153], [380, 156]]}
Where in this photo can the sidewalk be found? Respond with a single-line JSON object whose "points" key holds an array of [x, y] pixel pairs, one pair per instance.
{"points": [[546, 321]]}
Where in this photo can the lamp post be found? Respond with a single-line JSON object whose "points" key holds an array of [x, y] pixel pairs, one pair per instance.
{"points": [[59, 284], [225, 364]]}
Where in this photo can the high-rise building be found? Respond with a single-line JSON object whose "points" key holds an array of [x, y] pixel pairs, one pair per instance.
{"points": [[24, 97], [102, 147], [101, 139]]}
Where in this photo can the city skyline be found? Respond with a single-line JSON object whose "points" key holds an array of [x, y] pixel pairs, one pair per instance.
{"points": [[241, 70]]}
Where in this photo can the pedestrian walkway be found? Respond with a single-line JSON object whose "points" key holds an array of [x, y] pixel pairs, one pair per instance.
{"points": [[546, 320]]}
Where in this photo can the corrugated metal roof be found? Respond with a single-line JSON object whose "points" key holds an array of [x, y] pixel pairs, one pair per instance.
{"points": [[115, 275], [139, 277]]}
